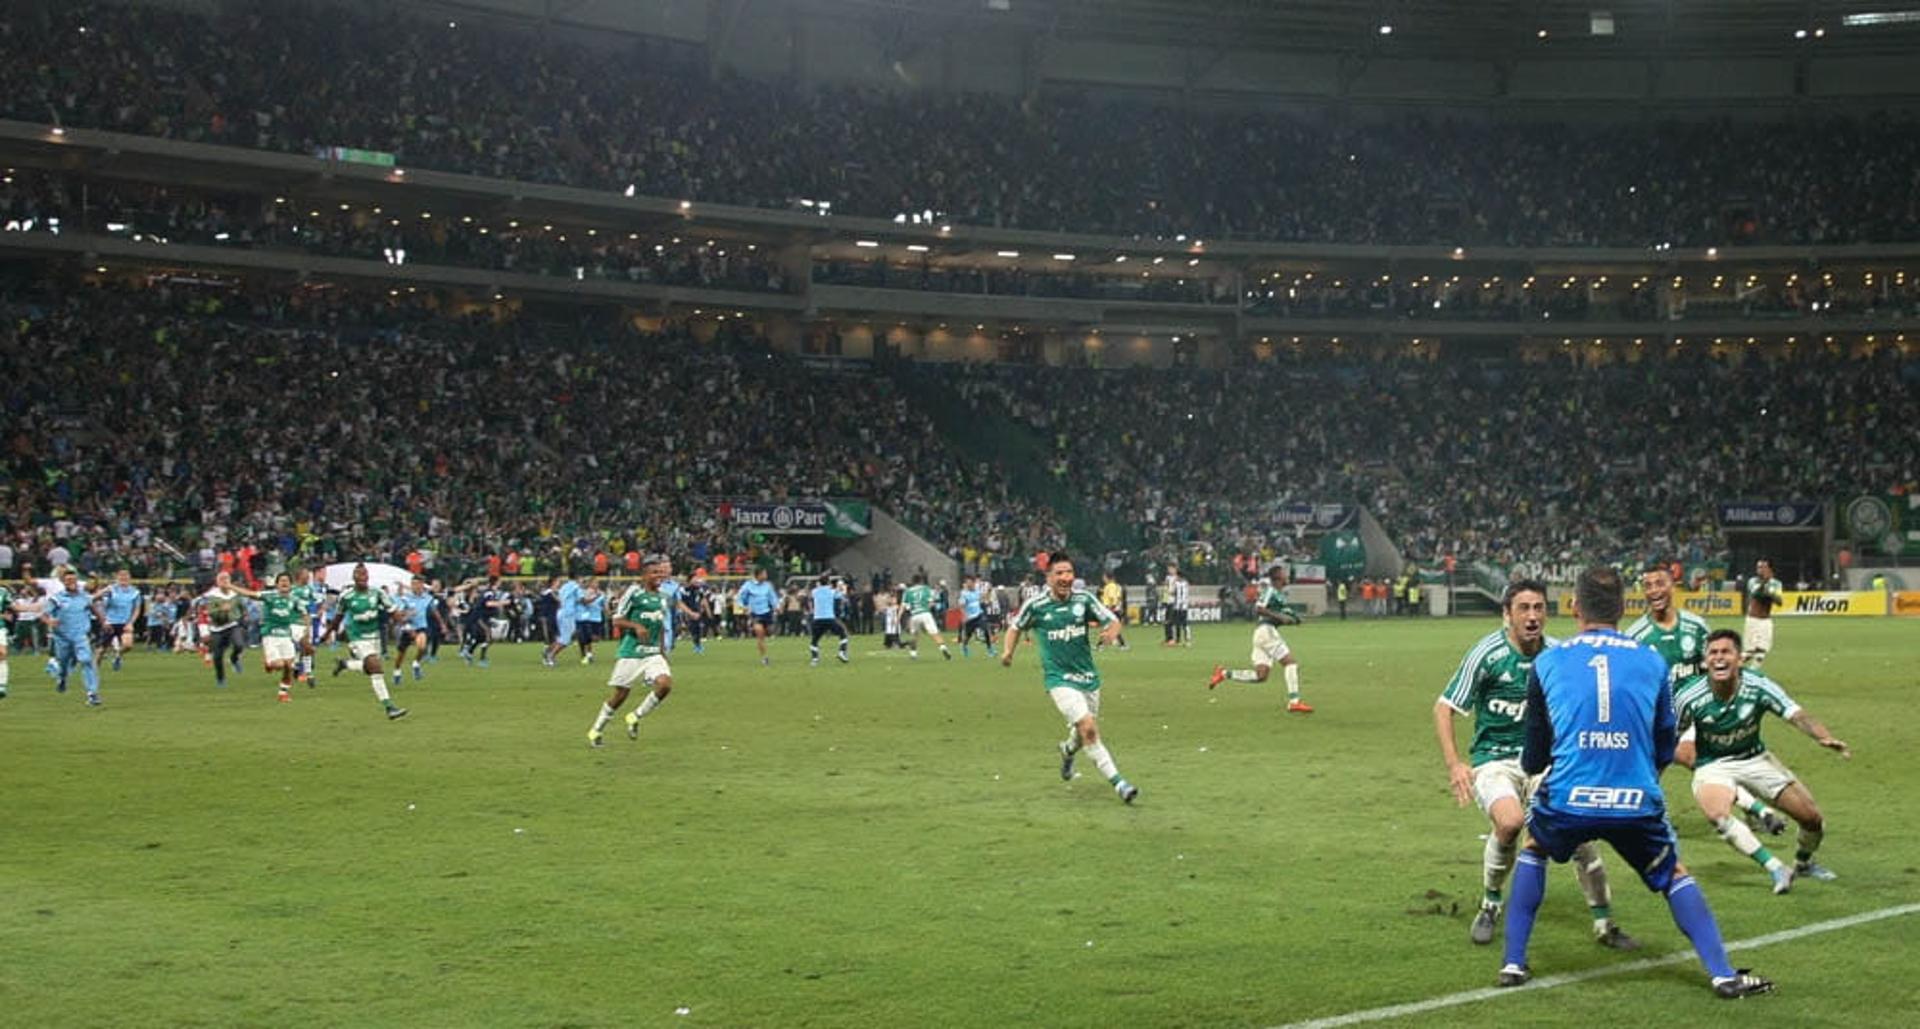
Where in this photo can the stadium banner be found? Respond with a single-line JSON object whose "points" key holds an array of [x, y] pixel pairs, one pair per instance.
{"points": [[1315, 516], [1883, 524], [1906, 603], [1307, 573], [1764, 514], [1706, 604], [1835, 603], [843, 519]]}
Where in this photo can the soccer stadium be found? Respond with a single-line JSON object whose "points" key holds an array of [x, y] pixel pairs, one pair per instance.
{"points": [[859, 513]]}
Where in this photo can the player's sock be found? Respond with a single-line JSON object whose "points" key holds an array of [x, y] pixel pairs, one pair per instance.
{"points": [[1292, 675], [600, 720], [1691, 914], [944, 652], [646, 706], [1739, 837], [1746, 801], [3, 677], [1496, 860], [1592, 874], [1073, 742], [380, 688], [90, 676], [1244, 675], [1809, 842], [1529, 886], [814, 649], [1103, 761]]}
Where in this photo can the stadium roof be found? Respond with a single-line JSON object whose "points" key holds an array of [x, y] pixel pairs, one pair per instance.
{"points": [[1648, 29]]}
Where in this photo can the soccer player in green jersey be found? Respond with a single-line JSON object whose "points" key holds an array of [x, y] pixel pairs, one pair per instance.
{"points": [[1726, 704], [919, 600], [365, 612], [308, 596], [280, 615], [1058, 620], [1491, 685], [1269, 648], [1763, 593], [1680, 637], [643, 623], [6, 639]]}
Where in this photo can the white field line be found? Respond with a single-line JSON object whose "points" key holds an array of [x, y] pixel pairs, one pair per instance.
{"points": [[1549, 982]]}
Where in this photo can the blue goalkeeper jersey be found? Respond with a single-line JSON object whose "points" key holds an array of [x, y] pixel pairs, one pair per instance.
{"points": [[1600, 713], [120, 602]]}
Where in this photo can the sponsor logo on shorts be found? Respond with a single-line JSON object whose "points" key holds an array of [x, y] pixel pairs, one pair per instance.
{"points": [[1607, 798]]}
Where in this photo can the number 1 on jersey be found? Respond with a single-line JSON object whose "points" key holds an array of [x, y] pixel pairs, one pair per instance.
{"points": [[1603, 687]]}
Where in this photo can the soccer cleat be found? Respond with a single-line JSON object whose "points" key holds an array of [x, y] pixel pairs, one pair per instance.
{"points": [[339, 665], [1066, 760], [285, 697], [396, 712], [596, 739], [93, 700], [116, 661], [1782, 879], [766, 662], [418, 674], [1513, 975], [1615, 938], [844, 659], [1299, 707], [948, 654], [467, 657], [1219, 676], [1481, 931], [1810, 870], [484, 664], [633, 725], [1771, 821], [1126, 790], [53, 668], [3, 693], [1743, 984], [815, 663]]}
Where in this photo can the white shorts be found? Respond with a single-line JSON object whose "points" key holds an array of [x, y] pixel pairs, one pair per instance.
{"points": [[1762, 774], [1268, 648], [6, 639], [1075, 704], [278, 648], [643, 670], [1499, 779], [923, 623], [1757, 635], [360, 650]]}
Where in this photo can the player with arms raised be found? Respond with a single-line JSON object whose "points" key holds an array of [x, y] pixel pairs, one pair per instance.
{"points": [[918, 600], [1058, 620], [1600, 714], [1491, 685], [1269, 648], [1726, 704], [643, 622]]}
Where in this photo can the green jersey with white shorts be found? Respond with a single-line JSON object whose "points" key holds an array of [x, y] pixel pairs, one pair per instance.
{"points": [[280, 615], [366, 612], [1059, 628], [1730, 728], [1491, 685], [918, 599]]}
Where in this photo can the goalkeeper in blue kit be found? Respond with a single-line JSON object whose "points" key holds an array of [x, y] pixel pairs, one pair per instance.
{"points": [[1600, 715]]}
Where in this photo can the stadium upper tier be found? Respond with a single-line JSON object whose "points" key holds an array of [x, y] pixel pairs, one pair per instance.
{"points": [[504, 104]]}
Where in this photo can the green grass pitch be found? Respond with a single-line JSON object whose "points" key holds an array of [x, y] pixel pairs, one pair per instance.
{"points": [[886, 844]]}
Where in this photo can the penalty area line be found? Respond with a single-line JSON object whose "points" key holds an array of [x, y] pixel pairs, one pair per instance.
{"points": [[1549, 982]]}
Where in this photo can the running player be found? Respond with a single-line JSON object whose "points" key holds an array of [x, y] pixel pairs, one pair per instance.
{"points": [[1491, 685], [566, 615], [973, 610], [6, 635], [1680, 638], [1058, 620], [118, 607], [365, 611], [1600, 714], [919, 604], [484, 603], [283, 619], [1269, 648], [825, 600], [69, 620], [1113, 597], [643, 623], [415, 610], [1763, 593], [1727, 703], [592, 606], [759, 598], [225, 638]]}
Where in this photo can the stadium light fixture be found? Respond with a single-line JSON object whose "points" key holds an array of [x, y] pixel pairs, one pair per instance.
{"points": [[1122, 259], [1542, 34], [1868, 19], [1063, 257], [1386, 30], [918, 248], [1799, 33], [1007, 253], [868, 243]]}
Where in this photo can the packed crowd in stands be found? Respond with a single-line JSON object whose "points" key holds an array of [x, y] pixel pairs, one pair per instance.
{"points": [[1484, 461], [506, 103], [1022, 282], [151, 423], [33, 201]]}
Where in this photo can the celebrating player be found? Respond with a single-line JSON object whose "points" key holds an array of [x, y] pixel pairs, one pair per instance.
{"points": [[974, 611], [225, 637], [1058, 620], [826, 599], [282, 616], [1680, 637], [365, 612], [759, 598], [416, 609], [643, 622], [1268, 647], [918, 600], [1491, 685], [484, 601], [1726, 704], [69, 619], [1600, 713], [1763, 593], [592, 606], [118, 607]]}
